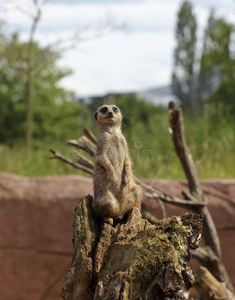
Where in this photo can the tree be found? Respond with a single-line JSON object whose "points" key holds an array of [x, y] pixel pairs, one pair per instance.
{"points": [[12, 103], [35, 64], [56, 111], [183, 76], [217, 78], [33, 10]]}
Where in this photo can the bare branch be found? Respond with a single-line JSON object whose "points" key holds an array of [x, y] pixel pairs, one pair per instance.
{"points": [[87, 161], [90, 135], [208, 259], [161, 195], [70, 162], [83, 143], [183, 152], [208, 286]]}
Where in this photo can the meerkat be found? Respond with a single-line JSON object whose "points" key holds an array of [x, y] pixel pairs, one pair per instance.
{"points": [[115, 191]]}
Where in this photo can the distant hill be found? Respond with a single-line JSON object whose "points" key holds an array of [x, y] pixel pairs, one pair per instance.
{"points": [[159, 95]]}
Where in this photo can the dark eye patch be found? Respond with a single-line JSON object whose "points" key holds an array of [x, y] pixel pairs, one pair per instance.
{"points": [[115, 109], [103, 110]]}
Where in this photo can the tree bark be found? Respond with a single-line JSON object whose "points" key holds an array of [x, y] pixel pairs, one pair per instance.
{"points": [[183, 152], [30, 75], [132, 259]]}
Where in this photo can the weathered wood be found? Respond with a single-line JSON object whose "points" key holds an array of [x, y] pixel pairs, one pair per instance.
{"points": [[85, 231], [70, 162], [90, 135], [184, 154], [209, 287], [209, 230], [208, 258], [132, 259]]}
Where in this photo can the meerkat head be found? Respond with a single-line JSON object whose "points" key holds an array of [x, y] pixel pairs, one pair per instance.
{"points": [[108, 115]]}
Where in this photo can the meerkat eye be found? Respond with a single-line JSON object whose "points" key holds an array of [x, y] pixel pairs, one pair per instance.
{"points": [[115, 109], [103, 110]]}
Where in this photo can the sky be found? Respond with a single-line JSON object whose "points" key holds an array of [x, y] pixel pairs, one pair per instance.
{"points": [[123, 45]]}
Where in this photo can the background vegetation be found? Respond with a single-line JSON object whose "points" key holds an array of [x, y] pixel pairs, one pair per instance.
{"points": [[204, 83]]}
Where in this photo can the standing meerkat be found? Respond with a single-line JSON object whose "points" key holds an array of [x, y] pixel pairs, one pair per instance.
{"points": [[115, 191]]}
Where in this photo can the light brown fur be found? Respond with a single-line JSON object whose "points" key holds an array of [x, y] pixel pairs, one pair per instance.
{"points": [[115, 191]]}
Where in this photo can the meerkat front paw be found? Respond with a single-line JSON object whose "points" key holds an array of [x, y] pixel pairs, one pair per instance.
{"points": [[126, 180], [114, 181], [108, 221]]}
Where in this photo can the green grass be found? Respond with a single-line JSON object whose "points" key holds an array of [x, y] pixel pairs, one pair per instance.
{"points": [[217, 164], [214, 159], [18, 161], [212, 147]]}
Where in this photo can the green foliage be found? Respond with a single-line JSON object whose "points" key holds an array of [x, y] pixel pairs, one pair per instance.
{"points": [[145, 127], [56, 111], [213, 83], [217, 38], [59, 117], [183, 76], [217, 65], [12, 104]]}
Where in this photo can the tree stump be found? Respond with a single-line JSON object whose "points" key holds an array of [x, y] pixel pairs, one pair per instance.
{"points": [[132, 259]]}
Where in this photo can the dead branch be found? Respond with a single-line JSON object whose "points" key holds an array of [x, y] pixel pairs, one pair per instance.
{"points": [[147, 215], [90, 135], [209, 287], [83, 143], [208, 258], [183, 152], [84, 160], [156, 193], [70, 162]]}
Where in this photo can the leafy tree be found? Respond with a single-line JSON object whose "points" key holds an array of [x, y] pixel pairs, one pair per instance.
{"points": [[12, 106], [217, 78], [183, 77], [57, 114], [216, 52]]}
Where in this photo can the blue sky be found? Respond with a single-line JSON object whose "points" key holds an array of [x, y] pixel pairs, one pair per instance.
{"points": [[132, 58]]}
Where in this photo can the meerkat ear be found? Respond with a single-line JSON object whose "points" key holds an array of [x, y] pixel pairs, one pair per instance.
{"points": [[95, 115]]}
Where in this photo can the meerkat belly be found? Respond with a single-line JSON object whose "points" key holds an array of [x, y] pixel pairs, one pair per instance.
{"points": [[116, 157], [100, 182]]}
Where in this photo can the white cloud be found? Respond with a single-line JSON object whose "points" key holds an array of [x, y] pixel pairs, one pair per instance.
{"points": [[134, 59], [122, 62]]}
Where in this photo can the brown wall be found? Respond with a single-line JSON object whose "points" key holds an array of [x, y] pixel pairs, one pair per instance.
{"points": [[36, 230]]}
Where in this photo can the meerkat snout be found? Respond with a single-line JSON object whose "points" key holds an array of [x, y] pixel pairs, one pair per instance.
{"points": [[110, 115]]}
